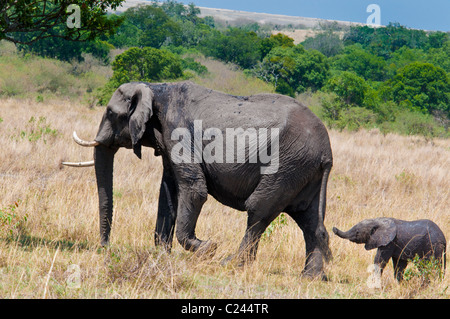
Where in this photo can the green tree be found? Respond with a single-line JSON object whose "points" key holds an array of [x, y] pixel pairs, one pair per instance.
{"points": [[126, 36], [327, 43], [384, 41], [293, 67], [363, 35], [191, 33], [146, 64], [438, 39], [234, 45], [154, 25], [422, 87], [439, 57], [59, 48], [275, 40], [402, 57], [363, 63], [27, 21], [350, 87], [179, 11]]}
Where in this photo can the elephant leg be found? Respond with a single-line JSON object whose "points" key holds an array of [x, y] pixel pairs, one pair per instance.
{"points": [[382, 257], [167, 212], [190, 203], [257, 223], [399, 268], [315, 236]]}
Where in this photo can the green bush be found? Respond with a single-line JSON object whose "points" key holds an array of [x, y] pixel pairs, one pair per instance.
{"points": [[278, 40], [278, 223], [425, 270], [332, 106], [146, 64], [12, 222], [328, 43], [414, 123], [421, 87], [234, 45], [338, 114], [355, 118], [293, 69], [349, 87], [361, 62], [38, 128], [189, 63]]}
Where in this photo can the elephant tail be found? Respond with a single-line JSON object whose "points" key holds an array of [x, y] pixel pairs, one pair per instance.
{"points": [[323, 192], [322, 233]]}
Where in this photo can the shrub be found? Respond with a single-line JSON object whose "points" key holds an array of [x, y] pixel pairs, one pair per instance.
{"points": [[12, 222], [278, 223], [38, 128], [234, 45], [190, 64], [295, 67], [362, 62], [421, 87], [424, 269], [146, 64], [328, 43], [349, 87], [332, 107], [414, 123], [355, 118], [278, 40]]}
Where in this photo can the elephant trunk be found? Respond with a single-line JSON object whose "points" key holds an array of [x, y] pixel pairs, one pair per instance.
{"points": [[104, 164], [340, 233]]}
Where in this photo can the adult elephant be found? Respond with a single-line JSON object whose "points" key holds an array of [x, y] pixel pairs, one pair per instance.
{"points": [[177, 118]]}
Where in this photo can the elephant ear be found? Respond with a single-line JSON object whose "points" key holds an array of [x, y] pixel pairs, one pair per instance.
{"points": [[139, 113], [382, 233]]}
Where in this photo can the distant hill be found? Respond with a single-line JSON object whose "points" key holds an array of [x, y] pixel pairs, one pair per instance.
{"points": [[267, 18], [234, 17]]}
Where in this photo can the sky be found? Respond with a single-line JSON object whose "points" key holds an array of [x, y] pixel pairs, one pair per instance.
{"points": [[420, 14]]}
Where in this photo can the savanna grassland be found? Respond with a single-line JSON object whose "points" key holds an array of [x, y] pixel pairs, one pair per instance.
{"points": [[49, 214]]}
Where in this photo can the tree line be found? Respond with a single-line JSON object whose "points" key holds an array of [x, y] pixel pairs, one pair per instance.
{"points": [[368, 76]]}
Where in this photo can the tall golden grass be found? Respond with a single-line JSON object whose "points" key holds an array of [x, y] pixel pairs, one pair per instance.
{"points": [[373, 175], [49, 214]]}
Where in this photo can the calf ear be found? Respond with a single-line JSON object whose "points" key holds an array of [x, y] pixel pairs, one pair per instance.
{"points": [[139, 113], [382, 234]]}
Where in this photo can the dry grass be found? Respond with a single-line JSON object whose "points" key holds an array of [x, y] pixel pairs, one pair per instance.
{"points": [[229, 78], [373, 175]]}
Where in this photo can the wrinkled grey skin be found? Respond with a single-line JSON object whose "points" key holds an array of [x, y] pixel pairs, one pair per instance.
{"points": [[399, 240], [144, 114]]}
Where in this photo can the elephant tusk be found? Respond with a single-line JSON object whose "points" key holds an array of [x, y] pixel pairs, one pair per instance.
{"points": [[81, 164], [79, 141]]}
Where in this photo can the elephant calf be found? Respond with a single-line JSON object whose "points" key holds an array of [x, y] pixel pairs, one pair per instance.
{"points": [[399, 240]]}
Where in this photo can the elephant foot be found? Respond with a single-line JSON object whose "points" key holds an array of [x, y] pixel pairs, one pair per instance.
{"points": [[308, 273], [314, 266], [207, 249]]}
